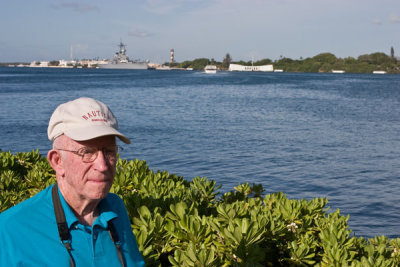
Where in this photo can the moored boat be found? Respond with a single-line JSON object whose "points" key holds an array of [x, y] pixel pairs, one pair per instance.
{"points": [[379, 72], [211, 69]]}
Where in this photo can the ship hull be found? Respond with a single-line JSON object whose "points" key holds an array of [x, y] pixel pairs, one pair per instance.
{"points": [[128, 66]]}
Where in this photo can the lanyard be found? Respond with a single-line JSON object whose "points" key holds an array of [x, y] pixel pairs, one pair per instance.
{"points": [[63, 230]]}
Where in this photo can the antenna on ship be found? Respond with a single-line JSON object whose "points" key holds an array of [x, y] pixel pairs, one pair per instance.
{"points": [[122, 48], [71, 52]]}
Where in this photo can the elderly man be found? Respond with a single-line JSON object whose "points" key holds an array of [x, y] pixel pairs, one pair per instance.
{"points": [[75, 222]]}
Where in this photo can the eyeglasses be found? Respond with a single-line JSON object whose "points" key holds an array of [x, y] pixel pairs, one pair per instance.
{"points": [[89, 154]]}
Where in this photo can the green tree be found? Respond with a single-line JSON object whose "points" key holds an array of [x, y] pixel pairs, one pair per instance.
{"points": [[325, 58], [265, 61], [375, 58], [380, 58], [186, 64], [227, 60], [392, 52], [200, 63], [54, 63]]}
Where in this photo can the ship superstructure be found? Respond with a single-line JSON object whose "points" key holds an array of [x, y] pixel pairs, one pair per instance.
{"points": [[122, 61]]}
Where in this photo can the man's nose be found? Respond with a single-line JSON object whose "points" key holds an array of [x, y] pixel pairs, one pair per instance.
{"points": [[101, 162]]}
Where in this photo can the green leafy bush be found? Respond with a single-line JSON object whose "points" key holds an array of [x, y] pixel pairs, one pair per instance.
{"points": [[189, 223]]}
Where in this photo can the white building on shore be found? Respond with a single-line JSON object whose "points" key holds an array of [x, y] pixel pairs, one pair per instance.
{"points": [[237, 67], [39, 64], [89, 63]]}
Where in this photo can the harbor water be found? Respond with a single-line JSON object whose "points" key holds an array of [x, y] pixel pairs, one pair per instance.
{"points": [[305, 134]]}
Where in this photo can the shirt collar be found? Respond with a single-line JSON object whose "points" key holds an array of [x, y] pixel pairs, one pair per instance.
{"points": [[106, 214]]}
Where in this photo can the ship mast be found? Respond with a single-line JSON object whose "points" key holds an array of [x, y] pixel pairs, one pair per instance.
{"points": [[122, 48]]}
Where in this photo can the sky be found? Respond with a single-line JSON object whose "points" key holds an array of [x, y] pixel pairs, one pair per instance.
{"points": [[43, 30]]}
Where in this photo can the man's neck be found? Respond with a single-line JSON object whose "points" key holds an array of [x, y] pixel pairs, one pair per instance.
{"points": [[86, 211], [86, 214]]}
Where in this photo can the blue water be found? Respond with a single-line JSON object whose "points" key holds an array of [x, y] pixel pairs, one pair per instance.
{"points": [[308, 135]]}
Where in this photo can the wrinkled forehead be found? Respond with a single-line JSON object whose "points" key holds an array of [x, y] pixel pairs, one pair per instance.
{"points": [[99, 142]]}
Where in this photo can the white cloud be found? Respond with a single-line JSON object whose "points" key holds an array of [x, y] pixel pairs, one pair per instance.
{"points": [[162, 6], [377, 21], [138, 33], [170, 6], [394, 18], [77, 7]]}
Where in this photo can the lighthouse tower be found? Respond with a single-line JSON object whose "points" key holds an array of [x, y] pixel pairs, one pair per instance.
{"points": [[172, 55]]}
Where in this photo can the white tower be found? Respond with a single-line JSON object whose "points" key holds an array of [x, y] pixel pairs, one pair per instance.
{"points": [[172, 55]]}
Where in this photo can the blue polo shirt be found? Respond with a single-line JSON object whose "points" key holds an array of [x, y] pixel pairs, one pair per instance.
{"points": [[29, 235]]}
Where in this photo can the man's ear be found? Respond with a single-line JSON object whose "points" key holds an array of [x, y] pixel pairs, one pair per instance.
{"points": [[55, 160]]}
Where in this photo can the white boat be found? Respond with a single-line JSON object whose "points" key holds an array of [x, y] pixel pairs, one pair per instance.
{"points": [[211, 69], [163, 67], [122, 61], [379, 72]]}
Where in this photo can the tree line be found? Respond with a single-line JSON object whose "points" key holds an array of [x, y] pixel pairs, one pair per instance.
{"points": [[324, 62]]}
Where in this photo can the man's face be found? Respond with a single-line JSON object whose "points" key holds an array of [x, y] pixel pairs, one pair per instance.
{"points": [[88, 180]]}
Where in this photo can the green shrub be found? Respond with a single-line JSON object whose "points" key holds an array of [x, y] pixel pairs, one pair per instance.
{"points": [[190, 223]]}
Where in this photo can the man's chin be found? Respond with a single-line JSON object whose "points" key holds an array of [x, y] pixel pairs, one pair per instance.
{"points": [[99, 189]]}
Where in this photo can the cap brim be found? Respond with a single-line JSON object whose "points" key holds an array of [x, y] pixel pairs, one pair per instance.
{"points": [[83, 134]]}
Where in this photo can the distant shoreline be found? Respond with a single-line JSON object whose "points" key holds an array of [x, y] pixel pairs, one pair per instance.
{"points": [[376, 63], [181, 69]]}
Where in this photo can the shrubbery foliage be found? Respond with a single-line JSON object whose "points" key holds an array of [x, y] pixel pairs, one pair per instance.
{"points": [[189, 223]]}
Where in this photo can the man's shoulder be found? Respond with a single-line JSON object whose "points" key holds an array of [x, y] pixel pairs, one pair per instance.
{"points": [[114, 202], [35, 206], [111, 197]]}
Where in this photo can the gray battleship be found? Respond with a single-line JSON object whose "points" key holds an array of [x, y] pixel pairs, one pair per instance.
{"points": [[122, 61]]}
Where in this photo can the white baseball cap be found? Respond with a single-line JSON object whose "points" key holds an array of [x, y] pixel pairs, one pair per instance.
{"points": [[84, 119]]}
